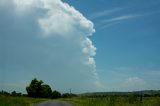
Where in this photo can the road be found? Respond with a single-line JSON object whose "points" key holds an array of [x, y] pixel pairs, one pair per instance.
{"points": [[54, 103]]}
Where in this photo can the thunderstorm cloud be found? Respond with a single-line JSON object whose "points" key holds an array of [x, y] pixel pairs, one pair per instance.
{"points": [[49, 40]]}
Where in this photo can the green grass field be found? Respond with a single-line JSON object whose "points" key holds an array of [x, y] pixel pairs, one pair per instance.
{"points": [[84, 101], [115, 101], [18, 101]]}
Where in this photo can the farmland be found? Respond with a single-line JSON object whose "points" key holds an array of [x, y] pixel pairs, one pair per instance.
{"points": [[115, 101], [149, 98]]}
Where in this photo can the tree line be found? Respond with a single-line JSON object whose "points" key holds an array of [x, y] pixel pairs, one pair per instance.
{"points": [[14, 93], [38, 89]]}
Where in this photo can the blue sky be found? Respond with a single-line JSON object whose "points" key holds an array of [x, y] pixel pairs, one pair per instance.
{"points": [[127, 40], [119, 53]]}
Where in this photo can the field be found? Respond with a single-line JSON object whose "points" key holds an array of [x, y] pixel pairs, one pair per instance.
{"points": [[18, 101], [115, 101], [84, 101]]}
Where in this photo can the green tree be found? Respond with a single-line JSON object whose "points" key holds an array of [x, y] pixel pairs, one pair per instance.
{"points": [[66, 95], [46, 91], [36, 89], [56, 94], [14, 93]]}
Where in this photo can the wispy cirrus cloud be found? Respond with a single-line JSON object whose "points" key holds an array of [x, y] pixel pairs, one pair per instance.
{"points": [[120, 18], [107, 18], [116, 20], [104, 13]]}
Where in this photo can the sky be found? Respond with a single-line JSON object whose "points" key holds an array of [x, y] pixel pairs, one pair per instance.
{"points": [[88, 46]]}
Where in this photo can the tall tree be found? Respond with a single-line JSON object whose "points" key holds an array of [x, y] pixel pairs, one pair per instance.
{"points": [[46, 91], [36, 89]]}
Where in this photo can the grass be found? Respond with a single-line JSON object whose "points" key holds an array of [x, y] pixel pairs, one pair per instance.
{"points": [[18, 101], [115, 101], [84, 101]]}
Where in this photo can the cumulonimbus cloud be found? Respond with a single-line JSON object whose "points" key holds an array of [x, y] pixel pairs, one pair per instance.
{"points": [[50, 41]]}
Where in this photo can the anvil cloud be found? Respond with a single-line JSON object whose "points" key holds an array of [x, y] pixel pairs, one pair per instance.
{"points": [[47, 39]]}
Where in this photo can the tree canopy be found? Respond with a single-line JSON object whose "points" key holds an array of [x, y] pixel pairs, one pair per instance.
{"points": [[38, 89]]}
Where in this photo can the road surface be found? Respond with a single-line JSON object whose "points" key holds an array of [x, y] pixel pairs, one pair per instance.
{"points": [[54, 103]]}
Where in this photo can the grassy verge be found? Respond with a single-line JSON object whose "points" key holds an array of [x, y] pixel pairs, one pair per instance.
{"points": [[84, 101], [115, 101], [18, 101]]}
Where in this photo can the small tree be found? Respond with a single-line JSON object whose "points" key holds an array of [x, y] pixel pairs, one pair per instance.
{"points": [[66, 95], [55, 94], [14, 93]]}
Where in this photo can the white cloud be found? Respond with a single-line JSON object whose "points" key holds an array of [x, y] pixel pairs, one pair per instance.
{"points": [[58, 23], [62, 16], [64, 57], [116, 20], [91, 61], [120, 18], [88, 47], [104, 13]]}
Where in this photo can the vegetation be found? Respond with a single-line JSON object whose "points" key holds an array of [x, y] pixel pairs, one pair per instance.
{"points": [[138, 98], [115, 101], [108, 100], [145, 93], [55, 94], [69, 95], [37, 89], [18, 101], [14, 93]]}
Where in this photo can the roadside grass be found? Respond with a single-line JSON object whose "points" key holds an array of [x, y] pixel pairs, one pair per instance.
{"points": [[114, 101], [19, 101], [84, 101]]}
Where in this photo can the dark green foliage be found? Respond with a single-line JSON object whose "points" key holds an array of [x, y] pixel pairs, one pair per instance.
{"points": [[146, 93], [46, 91], [73, 95], [132, 99], [112, 100], [56, 94], [14, 93], [66, 95], [36, 89], [4, 93]]}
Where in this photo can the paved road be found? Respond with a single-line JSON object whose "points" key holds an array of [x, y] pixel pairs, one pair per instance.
{"points": [[54, 103]]}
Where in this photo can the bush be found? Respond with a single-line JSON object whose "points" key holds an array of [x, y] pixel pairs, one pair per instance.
{"points": [[14, 93], [55, 94], [66, 95]]}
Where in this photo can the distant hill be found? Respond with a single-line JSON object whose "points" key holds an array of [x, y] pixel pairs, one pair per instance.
{"points": [[144, 93]]}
